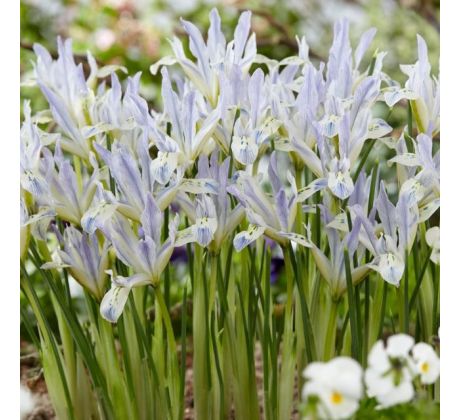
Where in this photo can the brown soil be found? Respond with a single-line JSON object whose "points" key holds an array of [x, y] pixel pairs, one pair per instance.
{"points": [[32, 378]]}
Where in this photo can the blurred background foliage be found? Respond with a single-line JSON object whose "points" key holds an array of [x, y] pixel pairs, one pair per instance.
{"points": [[134, 33]]}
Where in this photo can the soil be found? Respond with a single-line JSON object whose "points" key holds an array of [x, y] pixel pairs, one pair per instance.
{"points": [[32, 378]]}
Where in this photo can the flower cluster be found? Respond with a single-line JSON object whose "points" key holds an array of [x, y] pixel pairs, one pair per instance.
{"points": [[245, 150], [334, 389]]}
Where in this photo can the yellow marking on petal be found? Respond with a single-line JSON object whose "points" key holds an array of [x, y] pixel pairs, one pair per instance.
{"points": [[425, 367], [336, 398]]}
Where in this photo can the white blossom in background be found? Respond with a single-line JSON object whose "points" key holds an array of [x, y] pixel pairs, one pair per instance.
{"points": [[27, 402]]}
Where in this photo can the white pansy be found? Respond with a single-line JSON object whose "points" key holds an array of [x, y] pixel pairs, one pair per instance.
{"points": [[390, 370], [337, 386], [426, 362]]}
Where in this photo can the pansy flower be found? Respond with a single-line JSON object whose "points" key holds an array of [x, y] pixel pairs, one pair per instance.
{"points": [[333, 389], [390, 371], [426, 362]]}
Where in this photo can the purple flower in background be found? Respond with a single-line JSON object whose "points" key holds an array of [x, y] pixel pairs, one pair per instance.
{"points": [[276, 267], [179, 255]]}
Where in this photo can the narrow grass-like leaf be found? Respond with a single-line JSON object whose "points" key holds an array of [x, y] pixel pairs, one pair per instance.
{"points": [[355, 344]]}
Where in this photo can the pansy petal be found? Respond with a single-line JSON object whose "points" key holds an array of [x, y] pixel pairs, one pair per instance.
{"points": [[399, 345]]}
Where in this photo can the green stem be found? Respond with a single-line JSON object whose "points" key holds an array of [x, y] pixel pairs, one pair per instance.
{"points": [[331, 332], [202, 380], [47, 335], [183, 341], [307, 325], [355, 345], [419, 282], [366, 319], [287, 373], [406, 295], [173, 367], [435, 298]]}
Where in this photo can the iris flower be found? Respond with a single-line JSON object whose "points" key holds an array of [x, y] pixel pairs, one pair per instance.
{"points": [[134, 181], [69, 94], [214, 219], [333, 268], [86, 261], [421, 89], [190, 131], [389, 241], [422, 186], [69, 195], [213, 56], [146, 255], [273, 215], [254, 124]]}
